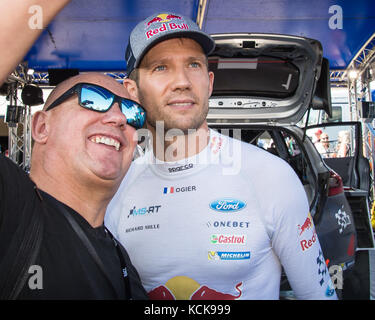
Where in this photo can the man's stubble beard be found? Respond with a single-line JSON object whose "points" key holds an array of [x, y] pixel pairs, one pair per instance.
{"points": [[169, 122]]}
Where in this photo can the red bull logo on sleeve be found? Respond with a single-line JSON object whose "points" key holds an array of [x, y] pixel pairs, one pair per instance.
{"points": [[308, 243], [185, 288], [306, 225], [163, 22], [307, 232]]}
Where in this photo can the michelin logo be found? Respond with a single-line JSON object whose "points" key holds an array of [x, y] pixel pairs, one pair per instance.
{"points": [[228, 255]]}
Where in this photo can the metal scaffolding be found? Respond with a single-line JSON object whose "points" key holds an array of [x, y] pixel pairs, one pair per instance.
{"points": [[19, 139], [359, 74], [359, 90], [18, 119]]}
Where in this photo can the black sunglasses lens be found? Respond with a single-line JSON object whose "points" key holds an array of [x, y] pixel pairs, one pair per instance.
{"points": [[134, 113], [99, 99], [96, 98]]}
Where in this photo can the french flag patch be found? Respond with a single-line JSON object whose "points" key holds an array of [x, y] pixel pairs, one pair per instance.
{"points": [[168, 190]]}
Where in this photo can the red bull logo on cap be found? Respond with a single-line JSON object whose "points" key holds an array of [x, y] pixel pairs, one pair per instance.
{"points": [[163, 17], [185, 288], [166, 25]]}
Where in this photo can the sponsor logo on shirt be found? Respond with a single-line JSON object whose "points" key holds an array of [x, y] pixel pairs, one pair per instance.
{"points": [[322, 268], [330, 291], [228, 255], [308, 224], [228, 239], [167, 190], [143, 227], [227, 205], [307, 244], [216, 144], [181, 168], [228, 224], [162, 23], [143, 211], [185, 288], [307, 233]]}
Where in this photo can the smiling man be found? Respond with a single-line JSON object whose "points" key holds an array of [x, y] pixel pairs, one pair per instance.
{"points": [[218, 233], [53, 241]]}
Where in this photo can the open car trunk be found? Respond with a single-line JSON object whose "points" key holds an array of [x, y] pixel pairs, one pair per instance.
{"points": [[263, 77]]}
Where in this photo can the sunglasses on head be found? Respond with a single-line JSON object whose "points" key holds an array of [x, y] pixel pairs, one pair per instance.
{"points": [[97, 98]]}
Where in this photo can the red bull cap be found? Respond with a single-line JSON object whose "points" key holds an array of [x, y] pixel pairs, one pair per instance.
{"points": [[159, 27]]}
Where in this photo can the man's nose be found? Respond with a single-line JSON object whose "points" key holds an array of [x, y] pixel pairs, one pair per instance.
{"points": [[181, 79], [115, 116]]}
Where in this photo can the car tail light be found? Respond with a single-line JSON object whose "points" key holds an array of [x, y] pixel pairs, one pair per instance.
{"points": [[351, 247], [335, 185]]}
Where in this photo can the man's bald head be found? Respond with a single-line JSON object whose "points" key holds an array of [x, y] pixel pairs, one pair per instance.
{"points": [[92, 78], [66, 145]]}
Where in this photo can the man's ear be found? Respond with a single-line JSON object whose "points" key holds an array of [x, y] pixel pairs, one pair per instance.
{"points": [[132, 88], [40, 127], [211, 77]]}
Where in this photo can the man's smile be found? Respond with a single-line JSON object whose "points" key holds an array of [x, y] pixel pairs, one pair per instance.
{"points": [[181, 103], [107, 140]]}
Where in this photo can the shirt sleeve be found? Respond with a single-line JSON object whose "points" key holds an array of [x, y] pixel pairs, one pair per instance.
{"points": [[296, 243]]}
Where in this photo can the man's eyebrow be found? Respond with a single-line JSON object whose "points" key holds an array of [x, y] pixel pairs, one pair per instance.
{"points": [[147, 62]]}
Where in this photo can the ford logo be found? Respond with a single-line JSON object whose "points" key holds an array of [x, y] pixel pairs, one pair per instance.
{"points": [[227, 205]]}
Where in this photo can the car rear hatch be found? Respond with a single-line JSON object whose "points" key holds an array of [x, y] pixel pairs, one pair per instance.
{"points": [[262, 78]]}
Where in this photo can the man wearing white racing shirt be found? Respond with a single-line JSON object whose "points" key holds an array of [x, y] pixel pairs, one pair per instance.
{"points": [[206, 216]]}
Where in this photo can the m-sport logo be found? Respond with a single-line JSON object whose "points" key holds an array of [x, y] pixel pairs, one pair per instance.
{"points": [[227, 205], [143, 211]]}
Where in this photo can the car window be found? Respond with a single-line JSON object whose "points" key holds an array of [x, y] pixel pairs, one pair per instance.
{"points": [[263, 76], [333, 141], [297, 159], [291, 144]]}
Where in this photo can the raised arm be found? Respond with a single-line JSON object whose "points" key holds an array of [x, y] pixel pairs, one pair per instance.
{"points": [[21, 23]]}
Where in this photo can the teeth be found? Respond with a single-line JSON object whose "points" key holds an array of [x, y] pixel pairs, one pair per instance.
{"points": [[107, 141], [181, 104]]}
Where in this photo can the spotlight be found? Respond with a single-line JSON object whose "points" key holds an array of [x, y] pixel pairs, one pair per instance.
{"points": [[32, 95], [4, 89]]}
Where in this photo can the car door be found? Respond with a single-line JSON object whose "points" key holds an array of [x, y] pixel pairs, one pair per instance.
{"points": [[345, 156]]}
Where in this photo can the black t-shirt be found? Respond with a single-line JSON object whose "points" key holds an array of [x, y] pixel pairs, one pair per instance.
{"points": [[67, 269]]}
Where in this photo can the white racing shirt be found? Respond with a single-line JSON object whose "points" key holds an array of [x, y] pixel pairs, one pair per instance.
{"points": [[219, 225]]}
